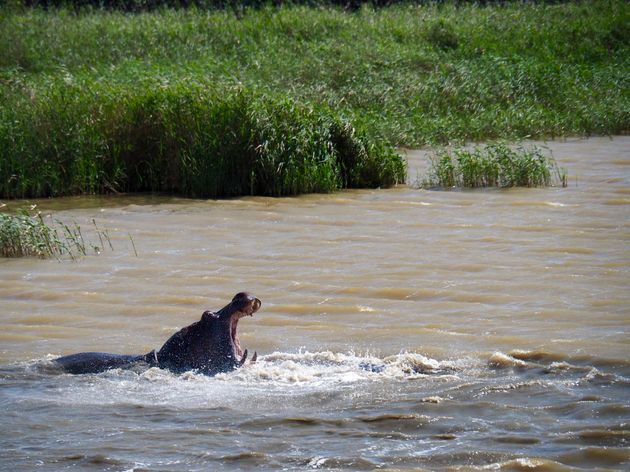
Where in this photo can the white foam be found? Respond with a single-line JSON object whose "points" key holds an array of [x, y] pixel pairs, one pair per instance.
{"points": [[277, 375]]}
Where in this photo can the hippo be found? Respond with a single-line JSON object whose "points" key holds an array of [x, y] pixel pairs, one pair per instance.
{"points": [[209, 346]]}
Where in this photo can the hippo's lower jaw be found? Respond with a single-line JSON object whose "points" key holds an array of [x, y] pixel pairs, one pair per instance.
{"points": [[234, 339], [210, 346]]}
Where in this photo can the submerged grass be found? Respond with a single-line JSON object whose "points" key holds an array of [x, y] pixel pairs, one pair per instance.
{"points": [[494, 165], [24, 235], [278, 101]]}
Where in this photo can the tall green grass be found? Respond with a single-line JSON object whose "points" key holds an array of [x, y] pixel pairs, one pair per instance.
{"points": [[494, 165], [183, 138], [217, 103], [416, 74]]}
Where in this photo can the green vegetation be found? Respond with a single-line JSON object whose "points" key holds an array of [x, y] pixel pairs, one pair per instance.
{"points": [[237, 5], [183, 138], [494, 165], [24, 235], [278, 101]]}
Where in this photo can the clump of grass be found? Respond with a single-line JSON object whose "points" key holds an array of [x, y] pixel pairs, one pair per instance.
{"points": [[183, 137], [494, 165], [442, 35], [23, 235]]}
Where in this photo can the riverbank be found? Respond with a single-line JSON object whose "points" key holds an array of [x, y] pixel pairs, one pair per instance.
{"points": [[315, 83]]}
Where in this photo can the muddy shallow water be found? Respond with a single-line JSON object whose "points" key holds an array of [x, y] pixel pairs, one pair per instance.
{"points": [[400, 329]]}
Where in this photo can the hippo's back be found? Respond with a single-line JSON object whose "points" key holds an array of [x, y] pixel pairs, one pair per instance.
{"points": [[94, 362]]}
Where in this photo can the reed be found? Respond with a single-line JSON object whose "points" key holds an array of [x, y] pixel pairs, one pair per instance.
{"points": [[185, 138], [23, 235], [494, 165]]}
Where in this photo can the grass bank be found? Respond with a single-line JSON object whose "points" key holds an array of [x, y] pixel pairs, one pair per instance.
{"points": [[292, 99], [184, 138]]}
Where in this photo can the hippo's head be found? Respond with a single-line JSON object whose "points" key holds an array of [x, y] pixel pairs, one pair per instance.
{"points": [[243, 304]]}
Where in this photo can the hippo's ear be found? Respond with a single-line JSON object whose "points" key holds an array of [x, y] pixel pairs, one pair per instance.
{"points": [[209, 315]]}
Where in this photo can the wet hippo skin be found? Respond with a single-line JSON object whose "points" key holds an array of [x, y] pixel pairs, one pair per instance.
{"points": [[210, 345]]}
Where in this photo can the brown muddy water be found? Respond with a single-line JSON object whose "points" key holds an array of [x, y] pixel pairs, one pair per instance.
{"points": [[400, 329]]}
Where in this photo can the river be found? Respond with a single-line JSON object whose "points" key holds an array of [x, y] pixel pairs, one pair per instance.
{"points": [[399, 329]]}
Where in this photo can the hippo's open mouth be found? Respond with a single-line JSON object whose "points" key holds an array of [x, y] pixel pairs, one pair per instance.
{"points": [[251, 306]]}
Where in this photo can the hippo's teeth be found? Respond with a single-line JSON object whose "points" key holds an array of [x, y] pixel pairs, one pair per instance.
{"points": [[242, 361], [254, 357]]}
